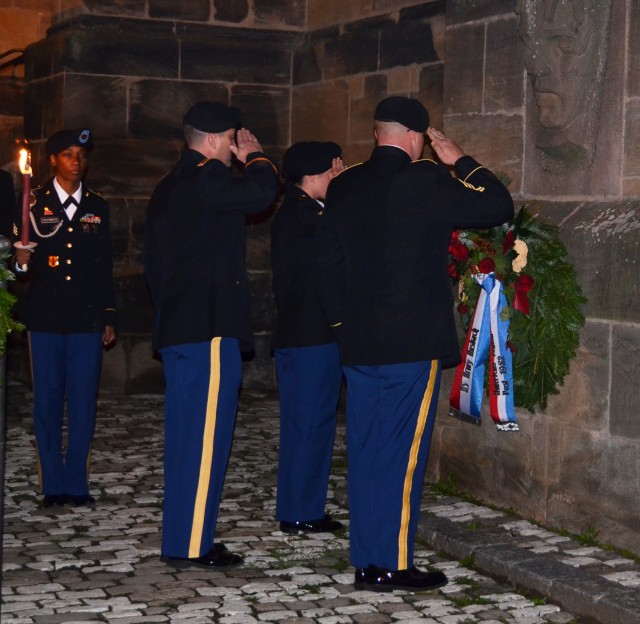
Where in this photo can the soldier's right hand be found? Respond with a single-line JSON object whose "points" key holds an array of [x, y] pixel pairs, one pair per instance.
{"points": [[246, 143]]}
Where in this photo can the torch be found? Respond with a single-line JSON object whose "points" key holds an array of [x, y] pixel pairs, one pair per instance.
{"points": [[25, 169]]}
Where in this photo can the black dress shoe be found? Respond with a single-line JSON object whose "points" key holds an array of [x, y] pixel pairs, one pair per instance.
{"points": [[54, 500], [80, 500], [218, 557], [325, 525], [373, 578]]}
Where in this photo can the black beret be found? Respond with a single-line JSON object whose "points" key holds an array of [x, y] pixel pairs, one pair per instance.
{"points": [[406, 111], [212, 117], [59, 141], [309, 158]]}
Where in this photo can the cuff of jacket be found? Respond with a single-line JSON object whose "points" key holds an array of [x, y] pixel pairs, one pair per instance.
{"points": [[111, 317]]}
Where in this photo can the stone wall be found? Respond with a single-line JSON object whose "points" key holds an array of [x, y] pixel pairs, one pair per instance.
{"points": [[576, 463]]}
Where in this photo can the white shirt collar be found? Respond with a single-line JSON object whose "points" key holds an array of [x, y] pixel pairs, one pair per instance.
{"points": [[62, 194]]}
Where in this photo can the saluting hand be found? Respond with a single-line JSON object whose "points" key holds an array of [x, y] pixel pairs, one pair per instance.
{"points": [[446, 150], [337, 166], [246, 143]]}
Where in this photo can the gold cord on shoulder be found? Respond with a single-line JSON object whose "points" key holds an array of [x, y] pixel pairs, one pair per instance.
{"points": [[259, 158]]}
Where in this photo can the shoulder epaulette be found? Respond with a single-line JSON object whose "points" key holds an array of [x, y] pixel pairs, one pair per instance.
{"points": [[349, 167], [88, 191], [262, 159]]}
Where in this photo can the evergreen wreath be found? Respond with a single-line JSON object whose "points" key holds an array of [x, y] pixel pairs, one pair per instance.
{"points": [[544, 303], [7, 300]]}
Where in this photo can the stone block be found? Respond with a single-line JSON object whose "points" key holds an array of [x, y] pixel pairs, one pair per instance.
{"points": [[308, 55], [596, 484], [421, 11], [318, 112], [631, 163], [10, 133], [402, 79], [580, 459], [156, 107], [121, 8], [583, 399], [19, 27], [97, 102], [502, 468], [11, 96], [280, 12], [234, 11], [197, 10], [44, 106], [353, 52], [463, 11], [464, 69], [504, 76], [137, 211], [405, 43], [323, 13], [42, 58], [362, 108], [474, 133], [121, 51], [132, 168], [430, 92], [265, 111], [119, 227], [631, 187], [602, 242], [242, 56], [625, 347]]}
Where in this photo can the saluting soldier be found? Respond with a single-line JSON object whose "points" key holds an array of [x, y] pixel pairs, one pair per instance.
{"points": [[195, 267], [382, 269], [305, 348], [70, 314]]}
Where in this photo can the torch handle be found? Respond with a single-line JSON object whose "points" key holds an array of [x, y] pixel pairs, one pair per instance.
{"points": [[26, 207]]}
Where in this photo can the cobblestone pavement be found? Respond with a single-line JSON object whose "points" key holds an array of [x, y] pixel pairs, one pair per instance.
{"points": [[102, 564]]}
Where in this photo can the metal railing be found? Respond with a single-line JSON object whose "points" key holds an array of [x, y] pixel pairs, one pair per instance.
{"points": [[17, 55]]}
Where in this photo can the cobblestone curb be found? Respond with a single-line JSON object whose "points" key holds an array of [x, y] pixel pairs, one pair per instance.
{"points": [[580, 591]]}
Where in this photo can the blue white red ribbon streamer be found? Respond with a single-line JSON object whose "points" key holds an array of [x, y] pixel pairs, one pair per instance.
{"points": [[486, 338]]}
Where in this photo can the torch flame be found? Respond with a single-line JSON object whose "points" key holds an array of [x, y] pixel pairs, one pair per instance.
{"points": [[25, 162]]}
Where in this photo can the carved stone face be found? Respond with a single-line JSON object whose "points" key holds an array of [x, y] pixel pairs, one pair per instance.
{"points": [[565, 54]]}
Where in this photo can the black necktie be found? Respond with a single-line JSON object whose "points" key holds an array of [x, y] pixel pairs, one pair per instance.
{"points": [[70, 200]]}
